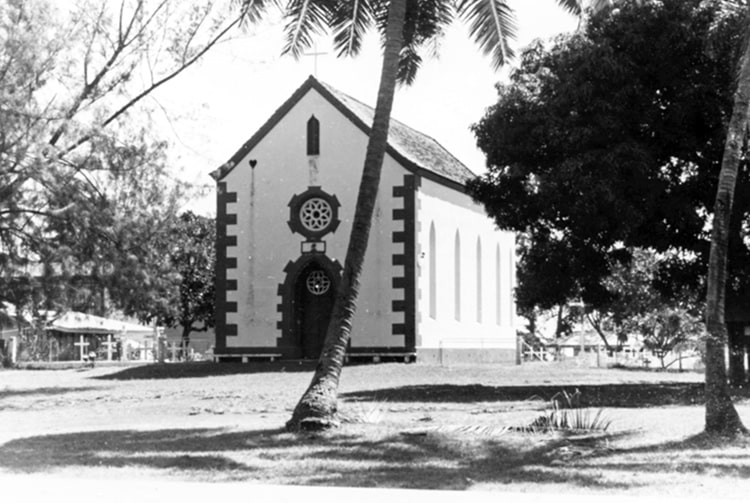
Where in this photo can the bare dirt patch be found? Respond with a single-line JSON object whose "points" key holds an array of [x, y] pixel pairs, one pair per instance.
{"points": [[405, 426]]}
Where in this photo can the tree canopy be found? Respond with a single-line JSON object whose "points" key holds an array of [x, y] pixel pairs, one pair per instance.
{"points": [[87, 196], [610, 139]]}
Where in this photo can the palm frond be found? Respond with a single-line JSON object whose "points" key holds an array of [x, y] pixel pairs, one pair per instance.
{"points": [[576, 6], [408, 65], [350, 20], [424, 19], [252, 11], [491, 24], [424, 24], [305, 20]]}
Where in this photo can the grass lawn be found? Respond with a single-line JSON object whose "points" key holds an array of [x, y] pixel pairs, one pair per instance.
{"points": [[404, 426]]}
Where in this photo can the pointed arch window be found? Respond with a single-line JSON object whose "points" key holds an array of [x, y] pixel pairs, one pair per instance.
{"points": [[433, 272], [457, 276], [313, 136]]}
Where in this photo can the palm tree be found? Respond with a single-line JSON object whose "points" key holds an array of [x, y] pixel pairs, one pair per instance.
{"points": [[405, 26], [721, 416]]}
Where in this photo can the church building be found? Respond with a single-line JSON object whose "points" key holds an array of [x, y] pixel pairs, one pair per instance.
{"points": [[437, 283]]}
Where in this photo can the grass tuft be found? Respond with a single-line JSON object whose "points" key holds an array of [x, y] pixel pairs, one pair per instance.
{"points": [[567, 415], [363, 413]]}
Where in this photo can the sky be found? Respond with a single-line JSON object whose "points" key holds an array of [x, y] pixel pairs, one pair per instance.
{"points": [[214, 107]]}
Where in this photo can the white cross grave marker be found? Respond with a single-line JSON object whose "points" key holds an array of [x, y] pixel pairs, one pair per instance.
{"points": [[174, 348], [82, 344], [109, 345]]}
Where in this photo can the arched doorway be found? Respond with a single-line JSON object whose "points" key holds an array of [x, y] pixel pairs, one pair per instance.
{"points": [[314, 295]]}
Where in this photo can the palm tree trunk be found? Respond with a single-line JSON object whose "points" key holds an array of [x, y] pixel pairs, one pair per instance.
{"points": [[721, 416], [317, 407]]}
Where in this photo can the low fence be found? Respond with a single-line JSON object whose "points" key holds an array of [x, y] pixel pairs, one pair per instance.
{"points": [[601, 357]]}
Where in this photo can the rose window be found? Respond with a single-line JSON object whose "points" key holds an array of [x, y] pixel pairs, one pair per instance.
{"points": [[318, 283], [315, 214]]}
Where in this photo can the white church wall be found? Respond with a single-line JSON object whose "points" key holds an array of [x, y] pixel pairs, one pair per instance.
{"points": [[468, 313], [265, 243]]}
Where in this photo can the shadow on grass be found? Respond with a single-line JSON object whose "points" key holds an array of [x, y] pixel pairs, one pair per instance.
{"points": [[48, 391], [609, 395], [205, 369], [355, 460]]}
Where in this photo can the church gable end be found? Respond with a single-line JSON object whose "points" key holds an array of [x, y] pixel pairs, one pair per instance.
{"points": [[285, 204]]}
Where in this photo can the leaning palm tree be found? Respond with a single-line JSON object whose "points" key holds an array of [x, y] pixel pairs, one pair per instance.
{"points": [[405, 26]]}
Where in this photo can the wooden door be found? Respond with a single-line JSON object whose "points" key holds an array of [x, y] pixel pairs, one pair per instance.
{"points": [[315, 295]]}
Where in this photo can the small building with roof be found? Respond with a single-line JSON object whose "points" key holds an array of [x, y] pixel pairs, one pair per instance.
{"points": [[77, 335], [438, 276]]}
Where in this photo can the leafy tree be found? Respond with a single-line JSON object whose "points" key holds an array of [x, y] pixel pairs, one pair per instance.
{"points": [[192, 255], [633, 293], [405, 27], [601, 144], [72, 81], [667, 330], [111, 249], [592, 151]]}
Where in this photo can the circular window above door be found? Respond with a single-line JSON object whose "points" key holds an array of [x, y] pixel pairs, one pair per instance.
{"points": [[317, 282], [314, 213]]}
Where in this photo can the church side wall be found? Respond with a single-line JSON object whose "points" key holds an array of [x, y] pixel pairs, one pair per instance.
{"points": [[465, 278], [261, 245]]}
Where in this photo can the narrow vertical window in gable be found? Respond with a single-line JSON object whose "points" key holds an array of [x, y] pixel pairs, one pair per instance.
{"points": [[313, 136], [498, 296], [479, 279], [457, 276], [433, 272]]}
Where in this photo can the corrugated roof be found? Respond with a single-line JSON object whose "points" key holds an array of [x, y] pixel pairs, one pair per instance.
{"points": [[82, 323], [417, 147], [416, 151]]}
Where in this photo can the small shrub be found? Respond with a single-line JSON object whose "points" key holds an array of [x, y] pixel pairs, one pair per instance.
{"points": [[366, 413], [567, 415]]}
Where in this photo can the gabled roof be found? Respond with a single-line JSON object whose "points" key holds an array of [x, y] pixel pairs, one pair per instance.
{"points": [[416, 151]]}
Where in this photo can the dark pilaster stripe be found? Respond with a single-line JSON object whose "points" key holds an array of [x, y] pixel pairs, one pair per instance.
{"points": [[398, 306], [223, 263], [408, 259], [398, 329], [411, 183]]}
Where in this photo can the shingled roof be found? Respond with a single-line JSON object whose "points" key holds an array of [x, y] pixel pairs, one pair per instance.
{"points": [[414, 150]]}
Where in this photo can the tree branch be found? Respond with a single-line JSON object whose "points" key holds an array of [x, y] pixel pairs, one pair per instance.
{"points": [[153, 87]]}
